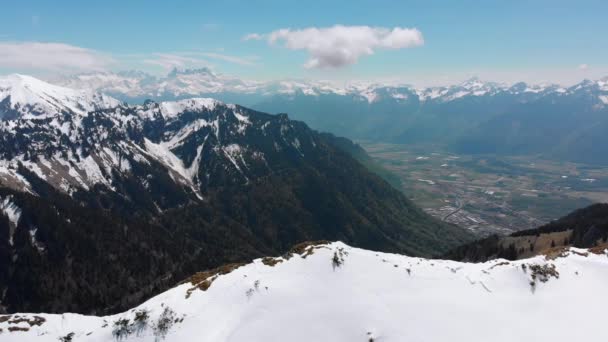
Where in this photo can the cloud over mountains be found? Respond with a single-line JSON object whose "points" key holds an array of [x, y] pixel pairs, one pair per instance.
{"points": [[338, 46]]}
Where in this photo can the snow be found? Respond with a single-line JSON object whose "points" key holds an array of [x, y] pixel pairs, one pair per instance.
{"points": [[35, 243], [430, 93], [385, 297], [93, 155], [243, 119], [604, 99], [92, 170], [399, 96], [457, 95], [186, 131], [370, 95], [13, 212], [177, 170], [173, 108], [34, 98], [182, 83], [164, 155], [234, 152]]}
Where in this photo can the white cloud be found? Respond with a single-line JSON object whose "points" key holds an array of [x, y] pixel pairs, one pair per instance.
{"points": [[55, 57], [338, 46], [169, 61], [253, 36], [583, 66], [194, 59], [247, 61]]}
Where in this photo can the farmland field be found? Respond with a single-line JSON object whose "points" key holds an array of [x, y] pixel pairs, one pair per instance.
{"points": [[488, 194]]}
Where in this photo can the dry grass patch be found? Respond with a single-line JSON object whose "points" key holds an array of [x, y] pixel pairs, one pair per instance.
{"points": [[32, 321], [557, 252], [268, 261], [504, 263], [600, 249], [306, 248], [12, 329], [585, 254], [203, 280], [532, 245]]}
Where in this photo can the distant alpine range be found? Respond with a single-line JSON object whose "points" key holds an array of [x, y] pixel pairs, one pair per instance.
{"points": [[546, 120]]}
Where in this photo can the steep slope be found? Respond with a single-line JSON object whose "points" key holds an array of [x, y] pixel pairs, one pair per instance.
{"points": [[350, 294], [117, 203], [583, 228]]}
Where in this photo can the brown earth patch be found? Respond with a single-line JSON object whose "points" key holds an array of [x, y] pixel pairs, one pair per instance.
{"points": [[306, 248], [600, 249], [504, 263], [32, 321], [11, 329], [203, 280], [268, 261]]}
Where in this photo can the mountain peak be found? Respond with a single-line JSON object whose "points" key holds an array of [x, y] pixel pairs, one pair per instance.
{"points": [[27, 96]]}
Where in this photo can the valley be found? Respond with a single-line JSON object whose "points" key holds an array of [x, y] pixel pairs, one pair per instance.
{"points": [[489, 194]]}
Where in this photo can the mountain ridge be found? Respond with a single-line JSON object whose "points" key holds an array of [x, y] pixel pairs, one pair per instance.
{"points": [[368, 296]]}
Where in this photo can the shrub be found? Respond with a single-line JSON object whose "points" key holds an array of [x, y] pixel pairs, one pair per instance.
{"points": [[67, 338], [122, 328], [338, 258], [164, 323], [249, 293], [541, 273], [140, 322]]}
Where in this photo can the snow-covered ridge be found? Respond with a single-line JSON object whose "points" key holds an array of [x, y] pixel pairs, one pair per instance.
{"points": [[73, 142], [333, 292], [29, 97]]}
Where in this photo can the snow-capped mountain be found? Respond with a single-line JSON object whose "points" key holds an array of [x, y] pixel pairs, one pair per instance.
{"points": [[27, 97], [333, 292], [136, 85], [77, 139], [176, 183]]}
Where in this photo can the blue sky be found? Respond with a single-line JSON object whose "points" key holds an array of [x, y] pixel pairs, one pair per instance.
{"points": [[558, 41]]}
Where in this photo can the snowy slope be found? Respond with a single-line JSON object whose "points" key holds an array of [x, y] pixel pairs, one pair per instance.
{"points": [[27, 97], [338, 293]]}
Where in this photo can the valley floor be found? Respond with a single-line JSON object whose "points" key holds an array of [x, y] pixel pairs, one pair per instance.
{"points": [[489, 194], [334, 292]]}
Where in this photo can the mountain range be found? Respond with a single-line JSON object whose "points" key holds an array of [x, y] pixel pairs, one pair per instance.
{"points": [[473, 117], [103, 204]]}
